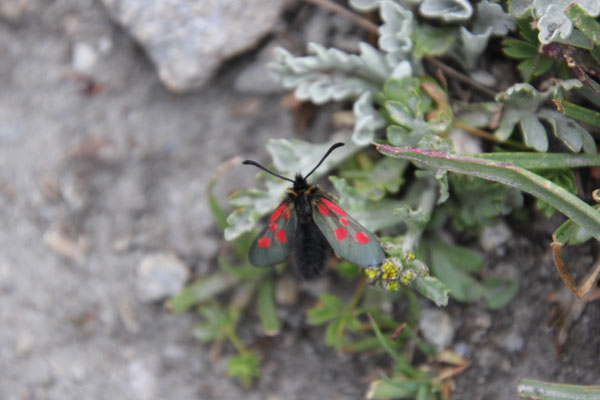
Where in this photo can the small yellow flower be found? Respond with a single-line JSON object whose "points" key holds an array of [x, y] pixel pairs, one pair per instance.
{"points": [[389, 270], [392, 286], [407, 277], [371, 273], [410, 256]]}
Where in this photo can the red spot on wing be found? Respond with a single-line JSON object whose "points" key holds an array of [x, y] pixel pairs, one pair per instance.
{"points": [[361, 238], [280, 235], [286, 213], [323, 210], [264, 242], [344, 221], [277, 212], [272, 226], [340, 234], [333, 207]]}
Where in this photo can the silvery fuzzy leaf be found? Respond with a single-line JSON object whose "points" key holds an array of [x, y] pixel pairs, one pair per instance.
{"points": [[524, 95], [591, 7], [569, 131], [492, 14], [534, 133], [510, 117], [365, 5], [368, 120], [402, 70], [554, 23], [473, 45], [518, 8], [397, 27], [374, 61], [447, 10], [297, 156]]}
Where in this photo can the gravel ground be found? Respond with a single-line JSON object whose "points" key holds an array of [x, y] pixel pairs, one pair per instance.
{"points": [[96, 174]]}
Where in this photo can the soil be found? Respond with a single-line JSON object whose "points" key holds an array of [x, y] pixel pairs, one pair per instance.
{"points": [[98, 171]]}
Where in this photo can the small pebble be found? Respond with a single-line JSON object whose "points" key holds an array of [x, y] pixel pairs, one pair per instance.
{"points": [[159, 276], [436, 327], [495, 236]]}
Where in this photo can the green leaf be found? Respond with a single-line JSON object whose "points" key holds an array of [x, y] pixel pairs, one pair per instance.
{"points": [[585, 23], [562, 177], [526, 30], [531, 389], [431, 41], [541, 161], [498, 292], [508, 174], [200, 291], [571, 233], [463, 258], [328, 308], [519, 49], [463, 287], [581, 113], [266, 308], [215, 325], [244, 367], [383, 389], [432, 288]]}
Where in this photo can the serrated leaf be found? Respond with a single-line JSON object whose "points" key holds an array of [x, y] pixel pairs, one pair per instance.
{"points": [[492, 15], [519, 8], [463, 287], [395, 32]]}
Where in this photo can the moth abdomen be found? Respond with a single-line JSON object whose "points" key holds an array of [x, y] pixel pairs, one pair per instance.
{"points": [[309, 251]]}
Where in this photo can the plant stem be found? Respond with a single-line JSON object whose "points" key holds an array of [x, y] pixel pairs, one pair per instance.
{"points": [[488, 136], [459, 76], [358, 292]]}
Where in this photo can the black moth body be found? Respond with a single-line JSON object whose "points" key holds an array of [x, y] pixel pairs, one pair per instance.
{"points": [[307, 225]]}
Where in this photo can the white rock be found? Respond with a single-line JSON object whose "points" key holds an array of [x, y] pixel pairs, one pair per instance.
{"points": [[83, 57], [159, 276], [436, 327]]}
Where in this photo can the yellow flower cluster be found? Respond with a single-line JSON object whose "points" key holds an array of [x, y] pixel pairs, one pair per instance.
{"points": [[389, 271], [371, 272], [408, 276]]}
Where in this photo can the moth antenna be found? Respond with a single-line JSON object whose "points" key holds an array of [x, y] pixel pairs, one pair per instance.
{"points": [[332, 148], [250, 162]]}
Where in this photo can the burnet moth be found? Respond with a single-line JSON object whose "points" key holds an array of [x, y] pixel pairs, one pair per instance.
{"points": [[307, 225]]}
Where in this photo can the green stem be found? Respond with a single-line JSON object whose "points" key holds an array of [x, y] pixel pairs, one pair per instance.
{"points": [[532, 389], [237, 343]]}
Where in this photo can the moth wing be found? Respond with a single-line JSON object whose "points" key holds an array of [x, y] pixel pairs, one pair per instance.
{"points": [[349, 239], [272, 245]]}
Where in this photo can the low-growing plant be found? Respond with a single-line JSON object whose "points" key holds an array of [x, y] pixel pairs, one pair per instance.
{"points": [[408, 105]]}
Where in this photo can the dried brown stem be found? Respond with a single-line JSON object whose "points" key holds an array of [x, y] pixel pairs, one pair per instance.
{"points": [[459, 76]]}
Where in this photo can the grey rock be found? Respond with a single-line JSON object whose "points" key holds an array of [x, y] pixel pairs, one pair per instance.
{"points": [[513, 342], [159, 276], [495, 236], [256, 77], [436, 327], [188, 40]]}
